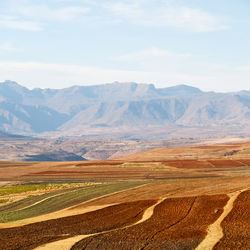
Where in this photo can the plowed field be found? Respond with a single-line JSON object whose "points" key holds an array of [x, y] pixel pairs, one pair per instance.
{"points": [[225, 163], [236, 226], [32, 235], [178, 223], [185, 192]]}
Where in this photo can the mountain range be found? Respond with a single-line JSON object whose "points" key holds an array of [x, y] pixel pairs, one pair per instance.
{"points": [[120, 108]]}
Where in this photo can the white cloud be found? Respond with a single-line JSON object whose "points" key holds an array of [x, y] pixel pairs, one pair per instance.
{"points": [[34, 74], [140, 12], [142, 54], [191, 19], [151, 54], [11, 22], [156, 59]]}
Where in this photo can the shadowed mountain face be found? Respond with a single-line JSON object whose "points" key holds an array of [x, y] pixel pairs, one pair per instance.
{"points": [[54, 156], [126, 105]]}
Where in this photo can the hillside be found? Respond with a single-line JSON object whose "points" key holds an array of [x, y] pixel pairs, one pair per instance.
{"points": [[123, 110]]}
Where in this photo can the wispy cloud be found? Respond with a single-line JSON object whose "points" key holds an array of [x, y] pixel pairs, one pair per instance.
{"points": [[191, 19], [156, 59], [151, 53], [11, 22], [140, 12], [35, 74]]}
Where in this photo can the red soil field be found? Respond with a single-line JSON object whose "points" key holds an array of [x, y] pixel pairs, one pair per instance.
{"points": [[33, 235], [195, 164], [236, 226], [226, 163], [201, 164], [102, 163], [188, 164], [149, 170], [178, 223], [245, 161]]}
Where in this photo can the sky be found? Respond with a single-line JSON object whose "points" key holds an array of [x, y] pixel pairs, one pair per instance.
{"points": [[60, 43]]}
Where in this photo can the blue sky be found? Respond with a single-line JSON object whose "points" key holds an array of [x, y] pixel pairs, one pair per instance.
{"points": [[59, 43]]}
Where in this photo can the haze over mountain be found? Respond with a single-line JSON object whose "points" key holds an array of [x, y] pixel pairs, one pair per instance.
{"points": [[118, 107]]}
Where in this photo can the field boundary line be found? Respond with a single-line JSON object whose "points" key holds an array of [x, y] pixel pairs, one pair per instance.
{"points": [[215, 230], [211, 164], [103, 196], [57, 213], [170, 226], [244, 164], [66, 244], [44, 200]]}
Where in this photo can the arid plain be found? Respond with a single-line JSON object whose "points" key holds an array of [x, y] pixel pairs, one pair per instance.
{"points": [[193, 197]]}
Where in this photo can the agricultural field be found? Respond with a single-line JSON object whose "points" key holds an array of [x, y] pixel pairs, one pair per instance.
{"points": [[152, 200]]}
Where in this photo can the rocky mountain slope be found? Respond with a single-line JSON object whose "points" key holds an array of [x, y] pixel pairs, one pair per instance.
{"points": [[119, 108]]}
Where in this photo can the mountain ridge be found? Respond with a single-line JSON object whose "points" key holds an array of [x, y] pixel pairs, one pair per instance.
{"points": [[79, 109]]}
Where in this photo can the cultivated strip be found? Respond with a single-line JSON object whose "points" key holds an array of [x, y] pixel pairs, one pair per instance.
{"points": [[72, 210], [50, 197], [215, 231], [103, 196], [66, 244]]}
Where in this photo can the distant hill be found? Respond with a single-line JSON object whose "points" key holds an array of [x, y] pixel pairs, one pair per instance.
{"points": [[115, 107], [10, 137], [54, 156]]}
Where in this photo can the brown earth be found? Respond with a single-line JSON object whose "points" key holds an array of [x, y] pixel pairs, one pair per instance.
{"points": [[165, 169], [194, 152], [177, 223], [236, 225], [179, 162], [33, 235], [157, 190], [174, 188], [195, 181]]}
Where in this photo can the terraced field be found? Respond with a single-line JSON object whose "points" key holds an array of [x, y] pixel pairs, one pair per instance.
{"points": [[54, 201], [177, 223], [236, 225], [131, 203], [101, 220]]}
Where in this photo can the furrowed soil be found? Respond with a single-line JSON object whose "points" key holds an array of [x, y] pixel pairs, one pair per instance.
{"points": [[178, 223], [236, 226], [33, 235], [193, 185]]}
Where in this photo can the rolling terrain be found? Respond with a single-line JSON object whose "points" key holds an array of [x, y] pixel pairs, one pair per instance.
{"points": [[78, 149], [192, 197]]}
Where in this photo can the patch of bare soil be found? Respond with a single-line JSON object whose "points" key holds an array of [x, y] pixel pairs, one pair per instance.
{"points": [[236, 233], [33, 235], [214, 231], [68, 243], [177, 223]]}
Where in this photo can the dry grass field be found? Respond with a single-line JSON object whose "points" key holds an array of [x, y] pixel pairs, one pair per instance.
{"points": [[175, 198]]}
